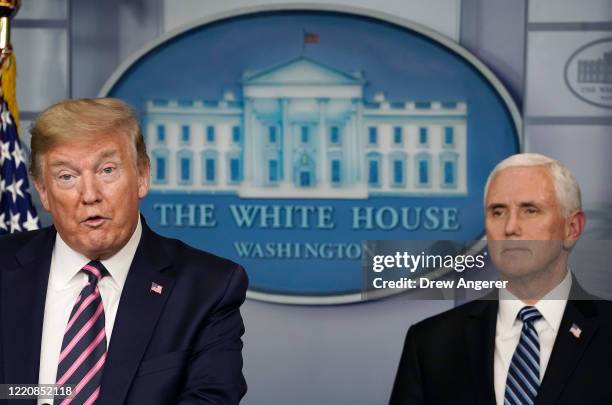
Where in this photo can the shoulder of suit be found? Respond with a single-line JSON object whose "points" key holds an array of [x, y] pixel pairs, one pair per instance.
{"points": [[187, 258], [18, 239], [604, 307], [456, 317], [10, 244]]}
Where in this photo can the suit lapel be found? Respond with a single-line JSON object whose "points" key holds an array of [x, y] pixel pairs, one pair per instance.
{"points": [[568, 349], [480, 341], [137, 315], [23, 308]]}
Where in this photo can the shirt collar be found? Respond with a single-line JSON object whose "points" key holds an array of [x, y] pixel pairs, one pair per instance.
{"points": [[551, 306], [68, 262]]}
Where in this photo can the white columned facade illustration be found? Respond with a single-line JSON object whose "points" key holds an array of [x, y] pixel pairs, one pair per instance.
{"points": [[302, 129]]}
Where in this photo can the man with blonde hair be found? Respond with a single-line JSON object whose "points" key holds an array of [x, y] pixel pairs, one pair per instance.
{"points": [[542, 340], [99, 303]]}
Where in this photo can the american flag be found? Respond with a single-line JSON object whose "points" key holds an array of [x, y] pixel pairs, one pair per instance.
{"points": [[576, 331], [156, 288], [311, 37], [17, 213]]}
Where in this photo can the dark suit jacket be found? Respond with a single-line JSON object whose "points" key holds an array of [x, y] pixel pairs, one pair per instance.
{"points": [[182, 346], [448, 359]]}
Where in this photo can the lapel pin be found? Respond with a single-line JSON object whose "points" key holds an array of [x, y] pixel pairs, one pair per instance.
{"points": [[575, 330], [156, 288]]}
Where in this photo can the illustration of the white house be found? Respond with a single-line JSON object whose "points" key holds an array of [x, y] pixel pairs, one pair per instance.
{"points": [[304, 130], [596, 70]]}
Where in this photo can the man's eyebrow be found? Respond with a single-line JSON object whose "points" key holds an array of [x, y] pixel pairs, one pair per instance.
{"points": [[59, 163], [529, 204], [523, 204], [103, 155], [107, 153]]}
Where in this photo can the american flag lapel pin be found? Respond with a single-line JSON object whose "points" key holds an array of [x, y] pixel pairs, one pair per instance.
{"points": [[575, 330], [156, 288]]}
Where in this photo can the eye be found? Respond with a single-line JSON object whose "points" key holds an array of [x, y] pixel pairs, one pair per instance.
{"points": [[531, 210], [66, 180], [108, 170], [497, 213], [65, 177]]}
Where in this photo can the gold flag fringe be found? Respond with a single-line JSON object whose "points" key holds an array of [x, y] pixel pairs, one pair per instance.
{"points": [[8, 79]]}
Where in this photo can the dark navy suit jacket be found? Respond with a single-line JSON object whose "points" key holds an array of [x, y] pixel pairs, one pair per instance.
{"points": [[182, 346], [448, 359]]}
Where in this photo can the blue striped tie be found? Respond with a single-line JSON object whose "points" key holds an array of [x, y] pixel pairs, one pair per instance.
{"points": [[524, 373]]}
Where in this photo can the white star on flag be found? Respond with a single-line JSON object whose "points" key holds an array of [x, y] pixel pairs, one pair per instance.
{"points": [[3, 222], [6, 118], [15, 222], [15, 189], [31, 223], [18, 156], [5, 153]]}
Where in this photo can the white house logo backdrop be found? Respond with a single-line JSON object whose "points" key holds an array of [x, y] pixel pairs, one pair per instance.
{"points": [[283, 139], [588, 73]]}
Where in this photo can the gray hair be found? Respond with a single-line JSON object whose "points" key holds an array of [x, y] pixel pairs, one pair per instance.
{"points": [[566, 186]]}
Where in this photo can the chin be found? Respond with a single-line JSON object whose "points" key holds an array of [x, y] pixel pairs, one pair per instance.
{"points": [[96, 248], [516, 273], [515, 269]]}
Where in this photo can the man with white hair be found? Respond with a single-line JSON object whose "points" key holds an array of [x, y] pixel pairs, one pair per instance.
{"points": [[542, 340]]}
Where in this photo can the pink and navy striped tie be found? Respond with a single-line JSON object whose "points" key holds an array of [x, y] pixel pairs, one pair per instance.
{"points": [[83, 354]]}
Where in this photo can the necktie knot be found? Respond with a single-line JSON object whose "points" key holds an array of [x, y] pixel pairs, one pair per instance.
{"points": [[95, 271], [529, 314]]}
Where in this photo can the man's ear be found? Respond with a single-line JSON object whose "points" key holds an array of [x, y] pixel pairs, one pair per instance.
{"points": [[144, 178], [574, 227], [42, 193]]}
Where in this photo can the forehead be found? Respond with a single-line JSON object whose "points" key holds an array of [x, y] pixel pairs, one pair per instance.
{"points": [[89, 148], [523, 183]]}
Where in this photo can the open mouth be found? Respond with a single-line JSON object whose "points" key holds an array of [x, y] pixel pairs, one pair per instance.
{"points": [[94, 221]]}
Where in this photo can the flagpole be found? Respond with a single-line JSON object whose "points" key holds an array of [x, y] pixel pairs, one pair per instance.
{"points": [[8, 9]]}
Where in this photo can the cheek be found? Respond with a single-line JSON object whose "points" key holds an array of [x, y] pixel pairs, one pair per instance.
{"points": [[556, 226], [559, 231], [493, 227], [63, 204], [56, 201]]}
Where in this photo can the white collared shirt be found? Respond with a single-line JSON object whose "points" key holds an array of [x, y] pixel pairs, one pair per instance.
{"points": [[508, 330], [65, 284]]}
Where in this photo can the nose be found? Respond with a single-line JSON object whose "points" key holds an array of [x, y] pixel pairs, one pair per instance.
{"points": [[90, 189], [513, 226]]}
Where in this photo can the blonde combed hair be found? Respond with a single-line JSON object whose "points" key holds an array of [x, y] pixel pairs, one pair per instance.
{"points": [[70, 120]]}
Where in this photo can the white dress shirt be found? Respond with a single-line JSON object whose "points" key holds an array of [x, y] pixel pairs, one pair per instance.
{"points": [[508, 330], [64, 286]]}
